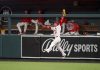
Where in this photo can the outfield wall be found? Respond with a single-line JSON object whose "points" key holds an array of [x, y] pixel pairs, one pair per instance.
{"points": [[10, 46], [0, 46], [32, 46], [75, 47]]}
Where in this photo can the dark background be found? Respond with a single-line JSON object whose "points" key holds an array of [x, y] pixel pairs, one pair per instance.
{"points": [[52, 5]]}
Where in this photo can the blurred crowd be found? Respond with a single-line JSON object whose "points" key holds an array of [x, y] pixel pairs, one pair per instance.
{"points": [[71, 26]]}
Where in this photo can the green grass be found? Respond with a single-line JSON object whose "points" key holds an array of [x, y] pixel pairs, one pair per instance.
{"points": [[17, 65]]}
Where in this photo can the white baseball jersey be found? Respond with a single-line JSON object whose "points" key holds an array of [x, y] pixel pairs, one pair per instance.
{"points": [[56, 30]]}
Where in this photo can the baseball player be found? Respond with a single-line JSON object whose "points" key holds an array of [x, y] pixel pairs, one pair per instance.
{"points": [[56, 31]]}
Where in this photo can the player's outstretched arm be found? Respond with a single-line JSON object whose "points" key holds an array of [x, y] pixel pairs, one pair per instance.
{"points": [[62, 18]]}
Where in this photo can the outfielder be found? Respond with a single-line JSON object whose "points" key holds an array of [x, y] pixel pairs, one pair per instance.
{"points": [[56, 31]]}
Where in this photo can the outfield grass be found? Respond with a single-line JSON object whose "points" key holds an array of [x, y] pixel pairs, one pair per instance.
{"points": [[17, 65]]}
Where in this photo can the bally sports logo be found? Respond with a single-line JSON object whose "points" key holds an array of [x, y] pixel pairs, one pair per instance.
{"points": [[68, 48]]}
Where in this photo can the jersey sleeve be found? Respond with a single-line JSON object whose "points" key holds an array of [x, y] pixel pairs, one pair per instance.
{"points": [[52, 28], [62, 20]]}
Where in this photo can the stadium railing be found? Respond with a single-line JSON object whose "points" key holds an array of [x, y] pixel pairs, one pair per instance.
{"points": [[10, 16]]}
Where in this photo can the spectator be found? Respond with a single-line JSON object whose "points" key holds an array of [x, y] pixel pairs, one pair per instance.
{"points": [[24, 22], [39, 20], [72, 27]]}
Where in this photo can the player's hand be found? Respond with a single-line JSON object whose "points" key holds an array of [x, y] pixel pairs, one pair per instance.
{"points": [[64, 12]]}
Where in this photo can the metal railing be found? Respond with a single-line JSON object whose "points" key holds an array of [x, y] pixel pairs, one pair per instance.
{"points": [[46, 15]]}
